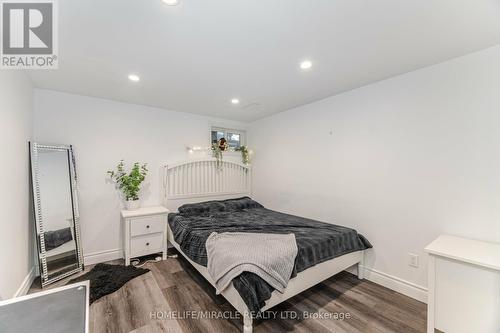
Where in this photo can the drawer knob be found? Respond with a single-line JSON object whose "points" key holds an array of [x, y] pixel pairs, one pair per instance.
{"points": [[147, 244], [147, 227]]}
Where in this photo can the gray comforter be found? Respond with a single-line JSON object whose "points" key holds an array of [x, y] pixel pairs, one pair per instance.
{"points": [[316, 241], [56, 238]]}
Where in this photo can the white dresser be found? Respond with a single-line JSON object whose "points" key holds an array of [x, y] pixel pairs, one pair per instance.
{"points": [[464, 286], [145, 232]]}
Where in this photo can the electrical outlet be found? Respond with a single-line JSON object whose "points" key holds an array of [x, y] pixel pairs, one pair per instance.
{"points": [[413, 260]]}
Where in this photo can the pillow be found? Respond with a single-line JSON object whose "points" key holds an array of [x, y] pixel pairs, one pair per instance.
{"points": [[202, 208], [213, 207], [242, 203]]}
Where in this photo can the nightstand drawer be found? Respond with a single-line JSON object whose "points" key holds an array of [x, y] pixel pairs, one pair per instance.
{"points": [[146, 244], [147, 225]]}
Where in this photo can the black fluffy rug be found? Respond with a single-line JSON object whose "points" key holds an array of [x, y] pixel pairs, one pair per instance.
{"points": [[106, 279]]}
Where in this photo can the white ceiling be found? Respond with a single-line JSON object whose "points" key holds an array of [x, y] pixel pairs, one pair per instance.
{"points": [[196, 56]]}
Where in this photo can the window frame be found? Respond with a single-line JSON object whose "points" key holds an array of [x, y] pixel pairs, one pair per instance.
{"points": [[226, 130]]}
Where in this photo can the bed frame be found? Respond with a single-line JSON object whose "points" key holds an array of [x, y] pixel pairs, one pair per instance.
{"points": [[202, 180]]}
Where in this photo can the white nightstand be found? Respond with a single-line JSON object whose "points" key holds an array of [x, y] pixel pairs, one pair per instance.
{"points": [[145, 232]]}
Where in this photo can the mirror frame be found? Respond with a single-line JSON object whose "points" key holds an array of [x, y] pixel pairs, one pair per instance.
{"points": [[39, 229]]}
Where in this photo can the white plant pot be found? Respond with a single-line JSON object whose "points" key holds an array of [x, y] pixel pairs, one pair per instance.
{"points": [[133, 204]]}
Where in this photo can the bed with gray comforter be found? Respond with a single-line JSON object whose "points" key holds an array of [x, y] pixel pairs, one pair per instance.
{"points": [[316, 241]]}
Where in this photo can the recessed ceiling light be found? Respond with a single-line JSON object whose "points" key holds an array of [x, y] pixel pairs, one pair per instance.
{"points": [[306, 64], [170, 2], [134, 77], [235, 101]]}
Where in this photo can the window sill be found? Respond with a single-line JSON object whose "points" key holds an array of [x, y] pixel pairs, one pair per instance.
{"points": [[231, 151]]}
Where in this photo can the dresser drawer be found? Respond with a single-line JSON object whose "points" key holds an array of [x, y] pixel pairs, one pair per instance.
{"points": [[147, 225], [146, 244]]}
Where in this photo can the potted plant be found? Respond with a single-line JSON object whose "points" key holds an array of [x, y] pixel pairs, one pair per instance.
{"points": [[130, 183]]}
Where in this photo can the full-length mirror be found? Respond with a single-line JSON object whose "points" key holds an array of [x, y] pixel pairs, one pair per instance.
{"points": [[56, 211]]}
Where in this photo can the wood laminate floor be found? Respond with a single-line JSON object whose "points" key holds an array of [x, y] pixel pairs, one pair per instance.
{"points": [[173, 288]]}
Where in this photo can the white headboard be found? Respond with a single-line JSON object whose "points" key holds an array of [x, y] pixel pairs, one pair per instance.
{"points": [[202, 180]]}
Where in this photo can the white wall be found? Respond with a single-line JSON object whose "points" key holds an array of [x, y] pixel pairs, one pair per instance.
{"points": [[402, 160], [16, 244], [103, 132]]}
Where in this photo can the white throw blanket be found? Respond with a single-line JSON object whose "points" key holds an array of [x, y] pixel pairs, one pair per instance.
{"points": [[270, 256]]}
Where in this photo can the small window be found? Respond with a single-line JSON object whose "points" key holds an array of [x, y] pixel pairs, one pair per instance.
{"points": [[234, 138]]}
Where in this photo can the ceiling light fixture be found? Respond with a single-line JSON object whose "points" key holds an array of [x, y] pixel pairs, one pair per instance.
{"points": [[134, 77], [170, 2], [235, 101], [306, 64]]}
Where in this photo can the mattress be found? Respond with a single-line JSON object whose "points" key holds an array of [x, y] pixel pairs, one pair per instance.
{"points": [[316, 241]]}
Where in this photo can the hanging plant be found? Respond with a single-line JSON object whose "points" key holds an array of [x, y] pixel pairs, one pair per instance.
{"points": [[217, 154], [245, 154]]}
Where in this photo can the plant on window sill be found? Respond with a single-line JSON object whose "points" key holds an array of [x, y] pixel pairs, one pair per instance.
{"points": [[217, 152]]}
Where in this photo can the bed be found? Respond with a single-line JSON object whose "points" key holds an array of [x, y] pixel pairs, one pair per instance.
{"points": [[207, 197]]}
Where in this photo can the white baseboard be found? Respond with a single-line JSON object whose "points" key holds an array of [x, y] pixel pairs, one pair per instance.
{"points": [[26, 284], [102, 256], [404, 287]]}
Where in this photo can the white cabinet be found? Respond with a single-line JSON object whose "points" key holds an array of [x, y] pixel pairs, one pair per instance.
{"points": [[145, 232], [464, 286]]}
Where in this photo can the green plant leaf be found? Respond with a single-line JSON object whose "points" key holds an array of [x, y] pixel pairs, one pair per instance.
{"points": [[129, 183]]}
